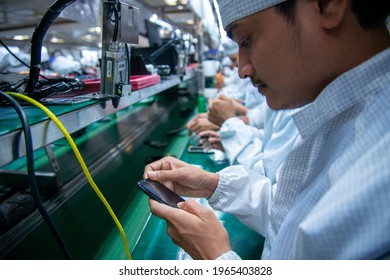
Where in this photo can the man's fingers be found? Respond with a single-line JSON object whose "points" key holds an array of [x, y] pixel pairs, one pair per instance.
{"points": [[195, 208], [223, 97], [161, 210], [165, 164]]}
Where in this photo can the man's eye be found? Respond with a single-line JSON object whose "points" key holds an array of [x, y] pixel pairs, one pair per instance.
{"points": [[245, 43]]}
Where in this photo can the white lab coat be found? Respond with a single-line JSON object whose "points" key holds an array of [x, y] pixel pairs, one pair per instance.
{"points": [[263, 150]]}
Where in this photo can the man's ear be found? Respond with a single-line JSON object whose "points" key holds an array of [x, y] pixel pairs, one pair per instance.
{"points": [[332, 12]]}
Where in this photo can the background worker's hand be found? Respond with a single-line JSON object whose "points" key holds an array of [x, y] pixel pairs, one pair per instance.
{"points": [[195, 228], [210, 139], [221, 109], [200, 123], [239, 107], [183, 178]]}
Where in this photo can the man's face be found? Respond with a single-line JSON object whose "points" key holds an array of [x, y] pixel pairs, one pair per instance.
{"points": [[280, 57]]}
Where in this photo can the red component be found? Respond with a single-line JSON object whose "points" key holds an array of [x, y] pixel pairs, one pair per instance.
{"points": [[142, 81], [137, 82]]}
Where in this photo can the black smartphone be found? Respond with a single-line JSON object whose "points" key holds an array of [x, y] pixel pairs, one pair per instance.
{"points": [[159, 192]]}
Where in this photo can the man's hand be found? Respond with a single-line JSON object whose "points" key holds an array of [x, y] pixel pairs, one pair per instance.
{"points": [[239, 108], [200, 123], [182, 178], [221, 109], [211, 139], [195, 228]]}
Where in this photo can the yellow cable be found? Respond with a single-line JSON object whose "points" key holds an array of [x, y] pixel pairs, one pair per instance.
{"points": [[81, 161]]}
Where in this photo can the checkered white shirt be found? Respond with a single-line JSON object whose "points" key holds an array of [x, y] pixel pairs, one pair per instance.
{"points": [[332, 197]]}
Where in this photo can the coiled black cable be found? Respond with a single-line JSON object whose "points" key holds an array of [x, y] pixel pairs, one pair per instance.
{"points": [[37, 39]]}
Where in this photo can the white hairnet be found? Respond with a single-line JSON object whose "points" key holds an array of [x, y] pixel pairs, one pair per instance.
{"points": [[233, 10]]}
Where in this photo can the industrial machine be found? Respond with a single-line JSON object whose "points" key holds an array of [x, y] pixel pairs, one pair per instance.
{"points": [[120, 27]]}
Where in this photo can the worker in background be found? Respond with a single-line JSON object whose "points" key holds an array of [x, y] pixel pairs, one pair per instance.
{"points": [[248, 104], [331, 200], [262, 150], [232, 86], [228, 75]]}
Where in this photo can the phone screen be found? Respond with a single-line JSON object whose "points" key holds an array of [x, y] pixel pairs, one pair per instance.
{"points": [[159, 192]]}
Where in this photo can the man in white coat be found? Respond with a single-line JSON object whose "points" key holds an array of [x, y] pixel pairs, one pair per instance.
{"points": [[331, 199]]}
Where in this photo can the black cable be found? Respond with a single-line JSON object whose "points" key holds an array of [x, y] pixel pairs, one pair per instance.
{"points": [[17, 85], [31, 175], [115, 10], [62, 87], [5, 86], [36, 41]]}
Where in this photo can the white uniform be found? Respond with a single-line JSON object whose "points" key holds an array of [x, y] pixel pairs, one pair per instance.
{"points": [[332, 195]]}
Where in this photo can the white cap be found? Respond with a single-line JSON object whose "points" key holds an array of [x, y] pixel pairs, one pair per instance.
{"points": [[233, 10]]}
